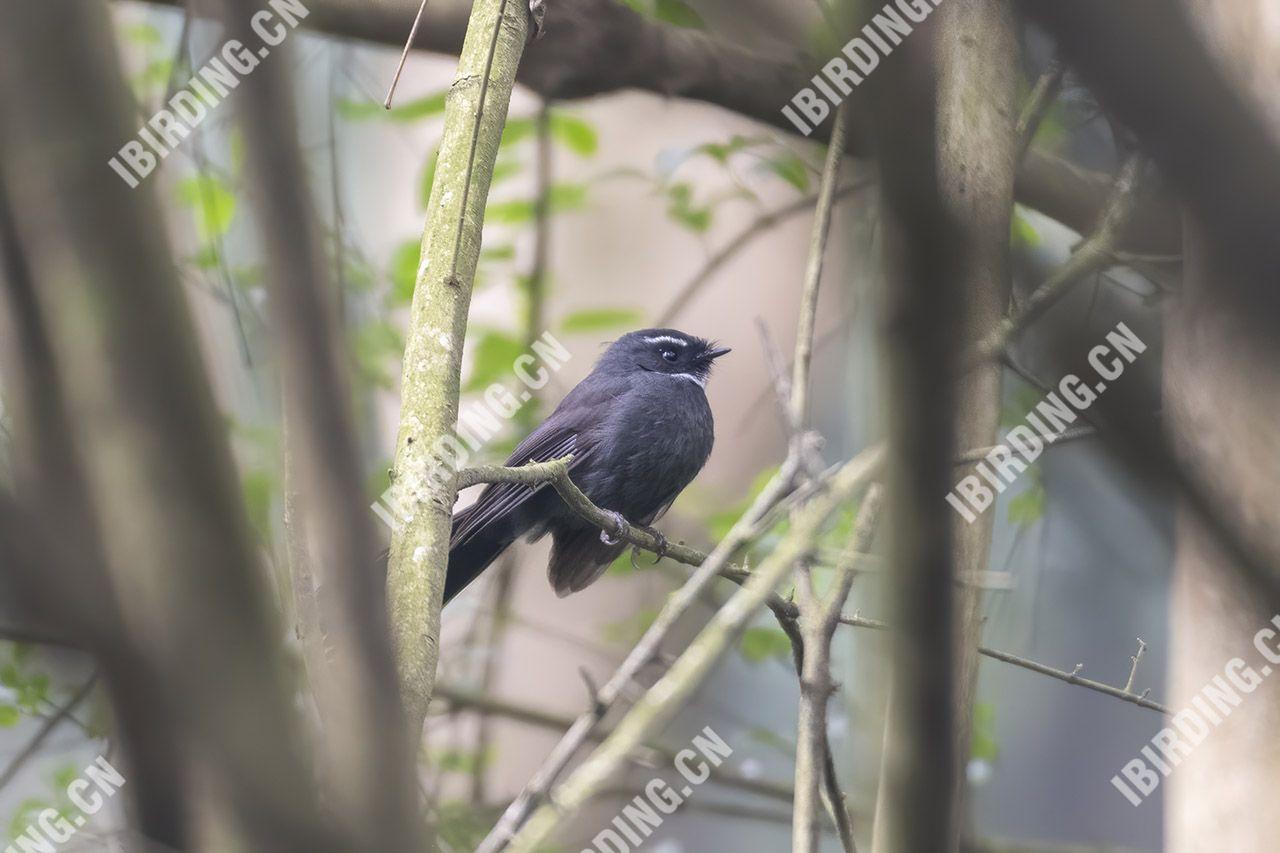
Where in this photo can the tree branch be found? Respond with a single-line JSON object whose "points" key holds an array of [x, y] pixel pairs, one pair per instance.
{"points": [[475, 114], [595, 47], [662, 700]]}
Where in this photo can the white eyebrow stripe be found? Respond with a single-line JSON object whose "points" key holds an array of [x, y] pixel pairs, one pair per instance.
{"points": [[665, 339]]}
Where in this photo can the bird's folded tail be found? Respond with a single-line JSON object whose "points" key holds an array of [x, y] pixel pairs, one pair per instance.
{"points": [[469, 558], [578, 557]]}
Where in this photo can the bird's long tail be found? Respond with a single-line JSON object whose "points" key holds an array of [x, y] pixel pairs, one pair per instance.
{"points": [[468, 559]]}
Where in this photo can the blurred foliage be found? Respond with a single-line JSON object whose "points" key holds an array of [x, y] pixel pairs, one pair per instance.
{"points": [[760, 644], [675, 12], [983, 745]]}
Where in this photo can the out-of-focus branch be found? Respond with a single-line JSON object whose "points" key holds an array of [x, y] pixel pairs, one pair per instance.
{"points": [[815, 767], [475, 114], [738, 243], [370, 759], [1038, 104], [915, 809], [177, 546], [1093, 255], [666, 696], [1153, 73], [818, 621], [978, 61], [46, 728], [649, 645], [459, 699], [595, 47]]}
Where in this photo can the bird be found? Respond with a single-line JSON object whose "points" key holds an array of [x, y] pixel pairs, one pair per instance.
{"points": [[639, 428]]}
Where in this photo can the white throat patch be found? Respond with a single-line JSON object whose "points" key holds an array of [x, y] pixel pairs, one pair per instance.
{"points": [[697, 380]]}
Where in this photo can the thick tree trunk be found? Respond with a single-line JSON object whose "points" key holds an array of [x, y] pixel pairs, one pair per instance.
{"points": [[1223, 405], [977, 145]]}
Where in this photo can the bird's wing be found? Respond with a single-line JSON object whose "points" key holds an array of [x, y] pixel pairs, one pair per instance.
{"points": [[550, 441]]}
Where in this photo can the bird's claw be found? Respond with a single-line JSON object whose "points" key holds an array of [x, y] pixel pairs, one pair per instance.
{"points": [[663, 544], [623, 529], [537, 17]]}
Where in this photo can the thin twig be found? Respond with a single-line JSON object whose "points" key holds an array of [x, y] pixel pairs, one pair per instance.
{"points": [[1038, 103], [640, 656], [457, 698], [740, 242], [673, 689], [815, 766], [1093, 255], [46, 729], [1133, 670], [1072, 677], [404, 55]]}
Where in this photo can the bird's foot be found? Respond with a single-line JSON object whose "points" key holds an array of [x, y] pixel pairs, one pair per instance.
{"points": [[622, 528], [537, 18], [663, 544]]}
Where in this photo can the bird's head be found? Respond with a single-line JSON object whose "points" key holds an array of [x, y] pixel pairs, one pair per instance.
{"points": [[666, 351]]}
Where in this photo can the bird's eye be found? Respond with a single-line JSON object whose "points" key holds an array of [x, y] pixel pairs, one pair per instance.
{"points": [[669, 355]]}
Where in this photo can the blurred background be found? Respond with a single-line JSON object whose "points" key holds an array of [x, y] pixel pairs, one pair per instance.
{"points": [[669, 213]]}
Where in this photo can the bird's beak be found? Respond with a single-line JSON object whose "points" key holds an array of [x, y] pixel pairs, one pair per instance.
{"points": [[716, 353]]}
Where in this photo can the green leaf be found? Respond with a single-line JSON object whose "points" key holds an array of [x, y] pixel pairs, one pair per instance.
{"points": [[563, 198], [597, 319], [678, 13], [213, 204], [518, 212], [517, 130], [761, 644], [9, 716], [791, 169], [566, 196], [143, 34], [1021, 233], [463, 761], [494, 354], [682, 210], [1018, 405], [721, 151], [504, 252], [1028, 507], [983, 745], [64, 776], [27, 814], [504, 169], [576, 134], [418, 108], [257, 487], [404, 272], [622, 565], [154, 74], [9, 676]]}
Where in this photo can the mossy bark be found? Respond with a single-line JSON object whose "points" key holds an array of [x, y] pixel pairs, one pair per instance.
{"points": [[475, 114]]}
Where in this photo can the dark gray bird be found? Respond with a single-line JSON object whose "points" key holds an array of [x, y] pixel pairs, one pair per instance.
{"points": [[639, 428]]}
